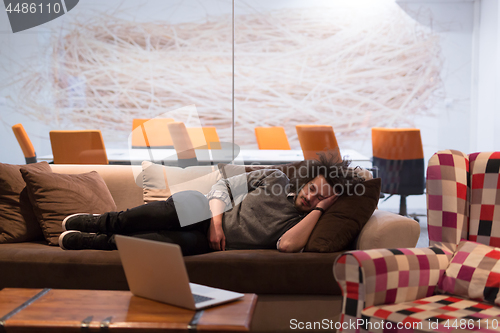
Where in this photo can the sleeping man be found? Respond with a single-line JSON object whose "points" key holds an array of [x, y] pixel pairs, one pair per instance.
{"points": [[261, 209]]}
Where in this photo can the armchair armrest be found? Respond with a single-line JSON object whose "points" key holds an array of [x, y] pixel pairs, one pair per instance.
{"points": [[385, 276], [385, 230]]}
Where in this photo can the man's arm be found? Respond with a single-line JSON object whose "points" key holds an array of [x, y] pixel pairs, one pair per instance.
{"points": [[295, 239], [216, 235], [219, 200]]}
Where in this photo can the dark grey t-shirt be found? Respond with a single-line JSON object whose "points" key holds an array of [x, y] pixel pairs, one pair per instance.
{"points": [[263, 210]]}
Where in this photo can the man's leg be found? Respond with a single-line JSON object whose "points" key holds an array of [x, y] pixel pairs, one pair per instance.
{"points": [[192, 242], [155, 221], [157, 216]]}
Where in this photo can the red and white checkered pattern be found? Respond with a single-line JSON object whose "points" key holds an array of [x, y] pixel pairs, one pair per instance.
{"points": [[440, 313], [459, 187], [474, 272], [385, 276], [447, 198], [485, 198]]}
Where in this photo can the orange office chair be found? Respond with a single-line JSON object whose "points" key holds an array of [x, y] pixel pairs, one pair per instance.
{"points": [[398, 159], [151, 133], [25, 143], [315, 139], [272, 138], [204, 137], [78, 147], [186, 156]]}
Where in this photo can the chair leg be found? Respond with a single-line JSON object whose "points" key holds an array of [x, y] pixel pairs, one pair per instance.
{"points": [[402, 205], [403, 210]]}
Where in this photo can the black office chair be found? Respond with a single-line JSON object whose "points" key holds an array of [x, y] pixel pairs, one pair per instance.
{"points": [[398, 159]]}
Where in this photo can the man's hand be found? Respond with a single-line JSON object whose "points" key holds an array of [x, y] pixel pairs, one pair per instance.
{"points": [[216, 235], [296, 237], [327, 202]]}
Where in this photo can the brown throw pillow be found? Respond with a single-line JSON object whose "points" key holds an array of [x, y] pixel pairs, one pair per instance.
{"points": [[55, 196], [341, 223], [18, 222]]}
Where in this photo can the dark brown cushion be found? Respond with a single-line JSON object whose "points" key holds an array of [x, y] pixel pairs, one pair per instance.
{"points": [[265, 271], [55, 196], [341, 223], [38, 265], [18, 222]]}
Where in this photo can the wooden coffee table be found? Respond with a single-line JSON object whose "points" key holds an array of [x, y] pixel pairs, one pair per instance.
{"points": [[62, 310]]}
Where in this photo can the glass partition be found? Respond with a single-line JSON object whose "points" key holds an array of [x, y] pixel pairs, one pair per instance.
{"points": [[349, 64], [103, 64], [352, 65]]}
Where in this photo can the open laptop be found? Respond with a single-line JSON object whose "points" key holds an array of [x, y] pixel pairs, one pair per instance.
{"points": [[156, 270]]}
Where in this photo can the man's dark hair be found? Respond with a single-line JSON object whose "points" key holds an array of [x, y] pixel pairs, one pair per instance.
{"points": [[335, 170]]}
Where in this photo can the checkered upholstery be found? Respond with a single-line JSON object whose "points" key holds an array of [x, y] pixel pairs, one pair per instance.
{"points": [[399, 285], [385, 276], [474, 272], [484, 198], [447, 198], [441, 313]]}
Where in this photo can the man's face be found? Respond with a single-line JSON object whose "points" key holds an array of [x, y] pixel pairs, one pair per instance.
{"points": [[312, 193]]}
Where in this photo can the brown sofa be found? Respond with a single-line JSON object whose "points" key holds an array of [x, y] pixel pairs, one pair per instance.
{"points": [[292, 286]]}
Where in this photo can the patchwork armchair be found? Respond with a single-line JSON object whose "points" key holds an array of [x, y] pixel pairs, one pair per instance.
{"points": [[451, 285]]}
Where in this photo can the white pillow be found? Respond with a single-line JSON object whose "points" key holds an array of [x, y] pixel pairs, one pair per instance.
{"points": [[160, 182]]}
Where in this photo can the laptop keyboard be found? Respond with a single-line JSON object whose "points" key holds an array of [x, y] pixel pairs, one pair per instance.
{"points": [[200, 298]]}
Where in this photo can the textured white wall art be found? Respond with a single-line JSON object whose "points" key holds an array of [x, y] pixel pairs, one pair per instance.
{"points": [[344, 67]]}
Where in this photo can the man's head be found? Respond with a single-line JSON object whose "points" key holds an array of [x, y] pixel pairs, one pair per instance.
{"points": [[320, 179], [312, 193]]}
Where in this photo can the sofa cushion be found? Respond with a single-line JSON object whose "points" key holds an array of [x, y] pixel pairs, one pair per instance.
{"points": [[474, 272], [55, 196], [435, 313], [255, 271], [38, 265], [266, 271], [124, 182], [18, 222], [339, 226], [160, 182]]}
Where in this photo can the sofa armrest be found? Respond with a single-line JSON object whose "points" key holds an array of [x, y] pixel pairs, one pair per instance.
{"points": [[385, 230], [385, 276]]}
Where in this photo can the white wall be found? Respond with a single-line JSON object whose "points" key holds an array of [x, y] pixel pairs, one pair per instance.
{"points": [[448, 125], [454, 22], [485, 135]]}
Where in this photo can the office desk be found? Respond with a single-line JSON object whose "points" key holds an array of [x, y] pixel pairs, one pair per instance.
{"points": [[207, 157]]}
